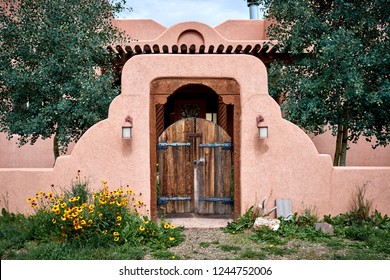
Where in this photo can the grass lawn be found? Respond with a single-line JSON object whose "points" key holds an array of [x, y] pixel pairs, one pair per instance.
{"points": [[110, 225], [369, 240]]}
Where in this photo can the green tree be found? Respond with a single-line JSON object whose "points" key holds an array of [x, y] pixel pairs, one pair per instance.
{"points": [[338, 75], [51, 52]]}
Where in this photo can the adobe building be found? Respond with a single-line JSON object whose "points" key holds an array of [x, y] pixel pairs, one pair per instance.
{"points": [[195, 131]]}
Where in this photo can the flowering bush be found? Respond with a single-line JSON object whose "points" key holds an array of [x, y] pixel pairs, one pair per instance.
{"points": [[101, 217]]}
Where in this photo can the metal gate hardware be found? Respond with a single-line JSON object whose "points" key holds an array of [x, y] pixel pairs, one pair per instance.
{"points": [[225, 146], [164, 200], [165, 145], [224, 200]]}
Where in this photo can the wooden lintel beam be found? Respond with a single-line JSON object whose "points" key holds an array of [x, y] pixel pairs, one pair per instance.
{"points": [[156, 48], [238, 49], [256, 48], [220, 48], [128, 49], [192, 49], [183, 48], [138, 49], [229, 49], [247, 49], [147, 49], [264, 48], [119, 49]]}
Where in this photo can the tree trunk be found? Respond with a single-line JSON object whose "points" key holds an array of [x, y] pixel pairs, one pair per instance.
{"points": [[344, 146], [55, 147], [337, 152]]}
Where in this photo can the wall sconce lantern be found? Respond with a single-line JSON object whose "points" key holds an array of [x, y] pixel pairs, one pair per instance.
{"points": [[262, 126], [127, 128]]}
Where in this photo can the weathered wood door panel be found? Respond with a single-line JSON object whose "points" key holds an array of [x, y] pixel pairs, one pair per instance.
{"points": [[195, 167], [213, 170], [176, 167]]}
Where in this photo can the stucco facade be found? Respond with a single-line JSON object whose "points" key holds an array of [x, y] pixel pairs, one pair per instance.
{"points": [[285, 165]]}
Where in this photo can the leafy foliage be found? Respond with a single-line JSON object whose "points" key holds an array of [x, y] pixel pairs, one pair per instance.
{"points": [[360, 207], [100, 218], [52, 51], [243, 222], [77, 219], [338, 74]]}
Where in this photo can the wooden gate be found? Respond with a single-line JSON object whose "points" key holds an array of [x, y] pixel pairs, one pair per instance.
{"points": [[194, 157]]}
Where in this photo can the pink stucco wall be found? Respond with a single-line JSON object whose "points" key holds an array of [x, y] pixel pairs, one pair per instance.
{"points": [[358, 154], [286, 165]]}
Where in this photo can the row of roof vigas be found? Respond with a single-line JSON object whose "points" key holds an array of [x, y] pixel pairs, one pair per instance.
{"points": [[265, 51], [265, 47]]}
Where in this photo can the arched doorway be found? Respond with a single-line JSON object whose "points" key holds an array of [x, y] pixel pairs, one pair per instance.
{"points": [[210, 102]]}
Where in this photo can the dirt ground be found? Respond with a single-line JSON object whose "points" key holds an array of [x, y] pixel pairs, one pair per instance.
{"points": [[214, 244]]}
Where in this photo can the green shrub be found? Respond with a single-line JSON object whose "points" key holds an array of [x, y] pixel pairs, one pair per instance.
{"points": [[243, 222], [308, 218], [104, 217], [360, 207]]}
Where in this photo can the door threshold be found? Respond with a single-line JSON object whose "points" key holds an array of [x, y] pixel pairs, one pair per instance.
{"points": [[193, 220]]}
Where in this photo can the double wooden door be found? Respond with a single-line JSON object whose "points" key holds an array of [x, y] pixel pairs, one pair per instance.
{"points": [[195, 168]]}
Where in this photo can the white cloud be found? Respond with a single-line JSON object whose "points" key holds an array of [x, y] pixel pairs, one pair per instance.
{"points": [[170, 12]]}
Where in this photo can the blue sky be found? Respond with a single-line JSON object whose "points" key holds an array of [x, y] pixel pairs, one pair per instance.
{"points": [[170, 12]]}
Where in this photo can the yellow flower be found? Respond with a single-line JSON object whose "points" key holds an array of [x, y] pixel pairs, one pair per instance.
{"points": [[173, 257], [102, 201], [63, 218], [141, 228], [104, 231], [119, 218], [139, 202], [29, 200], [173, 227], [116, 239], [166, 226], [271, 245], [171, 238], [54, 221], [100, 215], [116, 233], [83, 222], [146, 222], [63, 205], [77, 227]]}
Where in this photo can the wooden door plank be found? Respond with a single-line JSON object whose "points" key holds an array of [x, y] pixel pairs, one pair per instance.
{"points": [[175, 168], [215, 171]]}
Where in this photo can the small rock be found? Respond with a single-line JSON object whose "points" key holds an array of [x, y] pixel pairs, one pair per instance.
{"points": [[268, 222], [325, 228]]}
